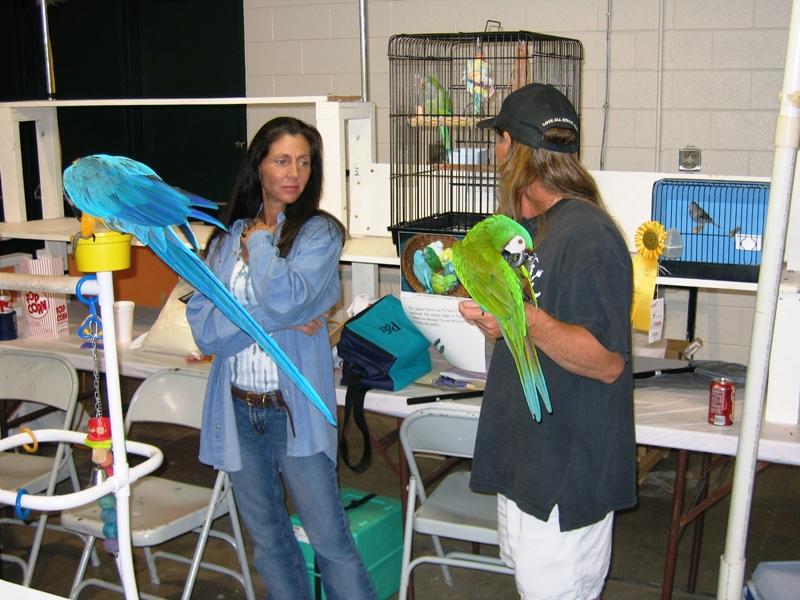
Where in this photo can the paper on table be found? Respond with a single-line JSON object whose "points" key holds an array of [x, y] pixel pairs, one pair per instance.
{"points": [[462, 344]]}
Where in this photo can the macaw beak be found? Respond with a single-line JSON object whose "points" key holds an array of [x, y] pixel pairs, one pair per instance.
{"points": [[87, 225], [517, 259]]}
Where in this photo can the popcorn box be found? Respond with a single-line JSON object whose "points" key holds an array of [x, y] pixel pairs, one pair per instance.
{"points": [[45, 314]]}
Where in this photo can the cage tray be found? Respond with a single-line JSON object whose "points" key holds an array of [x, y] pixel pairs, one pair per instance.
{"points": [[448, 222]]}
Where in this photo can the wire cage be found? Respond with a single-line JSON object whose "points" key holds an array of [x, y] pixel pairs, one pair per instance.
{"points": [[442, 173], [715, 228]]}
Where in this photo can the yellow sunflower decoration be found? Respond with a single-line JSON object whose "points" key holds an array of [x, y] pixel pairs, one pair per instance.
{"points": [[650, 240]]}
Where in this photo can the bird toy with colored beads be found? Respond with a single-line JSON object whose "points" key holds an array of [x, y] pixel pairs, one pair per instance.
{"points": [[99, 438]]}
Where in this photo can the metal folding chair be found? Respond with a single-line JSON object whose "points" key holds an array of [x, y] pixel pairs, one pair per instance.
{"points": [[48, 380], [451, 510], [164, 509]]}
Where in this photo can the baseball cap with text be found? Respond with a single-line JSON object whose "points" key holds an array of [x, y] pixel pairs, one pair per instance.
{"points": [[530, 111]]}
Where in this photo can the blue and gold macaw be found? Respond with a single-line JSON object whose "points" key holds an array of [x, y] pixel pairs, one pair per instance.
{"points": [[491, 264], [130, 197]]}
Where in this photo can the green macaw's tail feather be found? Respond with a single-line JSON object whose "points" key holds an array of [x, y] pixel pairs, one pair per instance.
{"points": [[538, 378], [531, 377]]}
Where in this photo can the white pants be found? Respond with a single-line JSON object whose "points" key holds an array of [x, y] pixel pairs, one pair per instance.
{"points": [[550, 564]]}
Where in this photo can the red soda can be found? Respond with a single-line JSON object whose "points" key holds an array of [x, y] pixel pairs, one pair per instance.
{"points": [[721, 395], [5, 303]]}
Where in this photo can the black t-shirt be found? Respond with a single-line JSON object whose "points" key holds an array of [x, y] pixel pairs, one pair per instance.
{"points": [[582, 456]]}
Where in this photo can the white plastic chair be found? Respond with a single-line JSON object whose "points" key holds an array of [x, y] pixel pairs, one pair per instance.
{"points": [[451, 510], [164, 509], [47, 379]]}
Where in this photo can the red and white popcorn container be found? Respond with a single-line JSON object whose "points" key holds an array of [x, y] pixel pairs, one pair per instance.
{"points": [[45, 313]]}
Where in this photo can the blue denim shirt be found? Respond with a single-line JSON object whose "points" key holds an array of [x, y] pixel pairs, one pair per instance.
{"points": [[290, 291]]}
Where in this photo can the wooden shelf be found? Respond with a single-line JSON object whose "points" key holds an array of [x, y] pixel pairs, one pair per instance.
{"points": [[379, 250], [713, 284], [443, 121], [64, 229], [376, 250], [248, 101]]}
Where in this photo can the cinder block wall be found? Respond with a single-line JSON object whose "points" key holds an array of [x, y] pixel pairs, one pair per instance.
{"points": [[714, 85]]}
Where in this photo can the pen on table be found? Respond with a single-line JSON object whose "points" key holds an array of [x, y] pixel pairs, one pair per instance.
{"points": [[657, 372], [446, 396]]}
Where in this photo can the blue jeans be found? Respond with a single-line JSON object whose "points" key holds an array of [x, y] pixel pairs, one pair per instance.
{"points": [[311, 481]]}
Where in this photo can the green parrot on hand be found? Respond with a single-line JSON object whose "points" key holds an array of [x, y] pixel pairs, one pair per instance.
{"points": [[491, 262], [436, 101]]}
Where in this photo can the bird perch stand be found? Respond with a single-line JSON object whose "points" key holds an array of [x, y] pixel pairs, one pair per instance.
{"points": [[103, 258], [104, 251]]}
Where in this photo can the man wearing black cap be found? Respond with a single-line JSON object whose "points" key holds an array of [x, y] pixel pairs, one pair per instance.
{"points": [[559, 481]]}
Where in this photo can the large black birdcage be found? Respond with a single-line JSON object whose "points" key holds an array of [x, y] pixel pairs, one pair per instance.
{"points": [[441, 165]]}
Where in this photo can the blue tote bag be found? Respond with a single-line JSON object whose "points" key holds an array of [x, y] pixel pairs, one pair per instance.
{"points": [[380, 348]]}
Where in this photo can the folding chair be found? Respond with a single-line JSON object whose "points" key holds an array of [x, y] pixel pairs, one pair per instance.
{"points": [[46, 379], [164, 509], [451, 510]]}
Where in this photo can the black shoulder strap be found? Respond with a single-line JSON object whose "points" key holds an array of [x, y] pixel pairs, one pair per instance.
{"points": [[354, 402]]}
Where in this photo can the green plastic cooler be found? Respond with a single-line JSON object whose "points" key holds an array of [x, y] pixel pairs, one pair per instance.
{"points": [[377, 527]]}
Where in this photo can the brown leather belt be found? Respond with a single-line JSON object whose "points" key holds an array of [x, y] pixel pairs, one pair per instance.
{"points": [[272, 398]]}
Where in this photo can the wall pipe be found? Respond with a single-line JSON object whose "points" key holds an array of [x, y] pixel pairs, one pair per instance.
{"points": [[659, 87], [787, 139], [362, 26], [48, 51]]}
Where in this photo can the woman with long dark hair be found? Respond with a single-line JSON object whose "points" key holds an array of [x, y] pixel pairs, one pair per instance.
{"points": [[280, 258]]}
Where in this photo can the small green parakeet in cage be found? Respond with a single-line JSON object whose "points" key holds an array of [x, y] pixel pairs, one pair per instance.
{"points": [[491, 263], [436, 101]]}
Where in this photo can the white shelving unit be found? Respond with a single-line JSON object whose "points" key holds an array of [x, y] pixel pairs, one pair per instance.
{"points": [[347, 126]]}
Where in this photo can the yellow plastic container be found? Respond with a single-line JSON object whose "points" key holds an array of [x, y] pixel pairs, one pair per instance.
{"points": [[105, 251]]}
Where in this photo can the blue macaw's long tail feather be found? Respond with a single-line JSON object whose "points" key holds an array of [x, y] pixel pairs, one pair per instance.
{"points": [[184, 262]]}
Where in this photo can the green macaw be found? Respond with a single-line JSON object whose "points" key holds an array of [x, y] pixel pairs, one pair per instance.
{"points": [[491, 262], [436, 101]]}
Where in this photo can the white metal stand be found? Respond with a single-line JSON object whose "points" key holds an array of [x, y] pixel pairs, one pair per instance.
{"points": [[787, 139], [119, 483]]}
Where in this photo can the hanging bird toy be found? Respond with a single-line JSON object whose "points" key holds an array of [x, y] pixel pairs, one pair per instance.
{"points": [[478, 81], [99, 436]]}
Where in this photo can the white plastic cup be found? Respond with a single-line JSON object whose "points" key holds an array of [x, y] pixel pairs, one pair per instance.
{"points": [[123, 317]]}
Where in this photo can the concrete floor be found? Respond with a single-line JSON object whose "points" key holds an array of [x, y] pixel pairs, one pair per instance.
{"points": [[639, 538]]}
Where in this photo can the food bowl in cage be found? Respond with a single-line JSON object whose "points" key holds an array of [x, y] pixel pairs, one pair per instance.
{"points": [[425, 252], [427, 265]]}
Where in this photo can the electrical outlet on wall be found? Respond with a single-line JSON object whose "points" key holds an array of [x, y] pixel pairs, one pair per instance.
{"points": [[689, 159]]}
